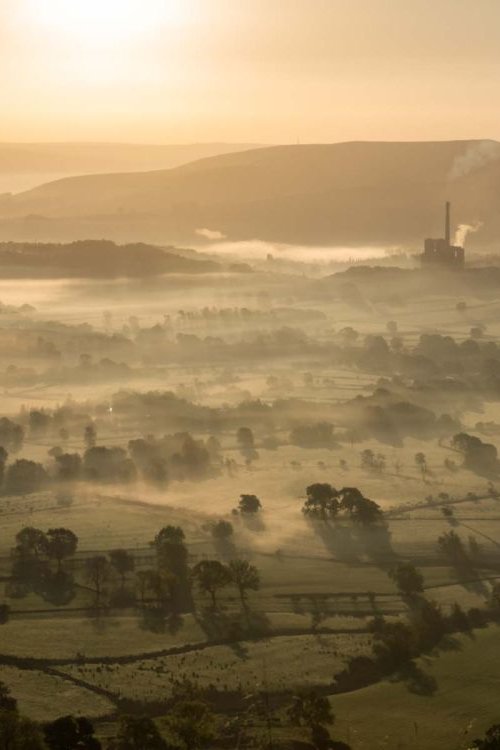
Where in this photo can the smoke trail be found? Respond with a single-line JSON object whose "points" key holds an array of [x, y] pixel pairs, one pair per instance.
{"points": [[463, 230], [211, 234], [475, 156]]}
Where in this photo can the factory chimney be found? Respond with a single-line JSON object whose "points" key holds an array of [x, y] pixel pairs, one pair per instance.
{"points": [[447, 230]]}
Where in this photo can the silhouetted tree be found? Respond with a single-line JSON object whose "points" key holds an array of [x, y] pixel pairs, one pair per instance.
{"points": [[11, 435], [71, 733], [61, 543], [23, 477], [309, 709], [421, 463], [97, 572], [90, 436], [407, 578], [138, 733], [491, 740], [211, 576], [249, 504], [245, 577], [192, 722], [246, 442], [19, 733], [322, 502], [123, 562]]}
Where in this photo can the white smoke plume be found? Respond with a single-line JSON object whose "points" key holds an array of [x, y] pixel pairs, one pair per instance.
{"points": [[210, 234], [463, 230], [475, 156]]}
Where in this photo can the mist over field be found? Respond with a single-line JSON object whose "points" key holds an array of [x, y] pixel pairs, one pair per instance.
{"points": [[249, 375]]}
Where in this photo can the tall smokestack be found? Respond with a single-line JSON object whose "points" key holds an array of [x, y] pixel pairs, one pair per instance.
{"points": [[447, 230]]}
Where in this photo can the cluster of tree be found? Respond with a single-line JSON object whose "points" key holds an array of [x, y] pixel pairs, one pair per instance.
{"points": [[317, 435], [311, 710], [490, 741], [39, 564], [396, 643], [325, 503], [190, 724], [179, 457], [482, 458], [16, 731], [211, 576]]}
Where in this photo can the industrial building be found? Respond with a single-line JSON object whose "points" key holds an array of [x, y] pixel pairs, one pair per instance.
{"points": [[441, 252]]}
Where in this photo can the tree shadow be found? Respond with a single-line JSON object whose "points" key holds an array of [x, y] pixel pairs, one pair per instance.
{"points": [[232, 627], [417, 681], [225, 549], [338, 540], [375, 542]]}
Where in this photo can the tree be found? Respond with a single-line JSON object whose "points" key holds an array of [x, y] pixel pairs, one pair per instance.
{"points": [[360, 508], [90, 436], [7, 701], [394, 644], [222, 530], [421, 462], [61, 543], [71, 733], [24, 477], [31, 541], [309, 709], [171, 551], [97, 570], [211, 576], [480, 457], [249, 504], [102, 464], [407, 578], [246, 443], [11, 435], [245, 577], [19, 733], [193, 723], [39, 422], [69, 466], [123, 562], [160, 584], [4, 614], [491, 740], [322, 502], [3, 460], [138, 733]]}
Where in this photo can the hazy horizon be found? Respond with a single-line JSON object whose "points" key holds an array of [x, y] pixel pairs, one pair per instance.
{"points": [[165, 71]]}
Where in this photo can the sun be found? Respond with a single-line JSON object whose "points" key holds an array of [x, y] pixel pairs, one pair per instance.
{"points": [[105, 22]]}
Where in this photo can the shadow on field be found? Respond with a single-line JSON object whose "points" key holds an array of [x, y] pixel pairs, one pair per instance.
{"points": [[418, 681], [349, 543], [157, 620], [219, 625]]}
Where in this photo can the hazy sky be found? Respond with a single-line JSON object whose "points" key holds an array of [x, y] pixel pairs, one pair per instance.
{"points": [[249, 70]]}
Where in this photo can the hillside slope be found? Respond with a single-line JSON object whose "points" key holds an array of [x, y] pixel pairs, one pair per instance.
{"points": [[346, 193]]}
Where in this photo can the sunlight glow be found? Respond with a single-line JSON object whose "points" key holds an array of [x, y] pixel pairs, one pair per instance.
{"points": [[104, 22]]}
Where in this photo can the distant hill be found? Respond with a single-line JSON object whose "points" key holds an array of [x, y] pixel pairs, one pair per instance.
{"points": [[25, 165], [344, 194], [95, 259]]}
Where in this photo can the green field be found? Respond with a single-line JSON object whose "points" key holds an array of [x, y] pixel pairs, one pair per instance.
{"points": [[463, 706]]}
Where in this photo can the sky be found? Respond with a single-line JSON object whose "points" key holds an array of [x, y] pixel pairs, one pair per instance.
{"points": [[252, 71]]}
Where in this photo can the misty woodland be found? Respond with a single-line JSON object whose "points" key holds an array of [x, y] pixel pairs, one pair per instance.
{"points": [[249, 375]]}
